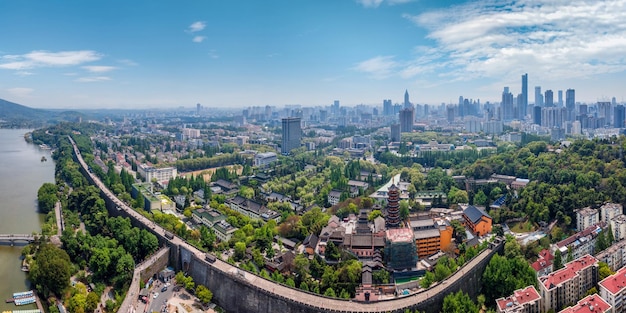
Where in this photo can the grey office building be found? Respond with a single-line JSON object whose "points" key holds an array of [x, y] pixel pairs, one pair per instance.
{"points": [[292, 133]]}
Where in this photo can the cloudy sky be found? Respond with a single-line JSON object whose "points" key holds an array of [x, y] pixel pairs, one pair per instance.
{"points": [[238, 53]]}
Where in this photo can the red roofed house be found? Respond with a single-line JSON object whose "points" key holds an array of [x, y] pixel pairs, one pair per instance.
{"points": [[543, 265], [589, 304], [613, 290], [525, 300], [568, 284]]}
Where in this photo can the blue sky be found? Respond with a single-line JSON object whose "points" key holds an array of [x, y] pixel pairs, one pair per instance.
{"points": [[239, 53]]}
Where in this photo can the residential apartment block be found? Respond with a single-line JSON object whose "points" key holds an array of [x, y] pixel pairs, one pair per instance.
{"points": [[581, 243], [525, 300], [614, 256], [589, 304], [150, 173], [477, 220], [586, 217], [613, 290], [568, 284]]}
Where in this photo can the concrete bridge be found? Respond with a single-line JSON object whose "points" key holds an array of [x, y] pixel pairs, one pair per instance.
{"points": [[239, 291], [12, 238]]}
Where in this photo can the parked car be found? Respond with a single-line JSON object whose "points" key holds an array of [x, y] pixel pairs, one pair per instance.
{"points": [[164, 289]]}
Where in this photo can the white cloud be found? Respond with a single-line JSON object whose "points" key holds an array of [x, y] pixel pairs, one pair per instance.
{"points": [[99, 68], [554, 40], [92, 79], [377, 3], [378, 67], [36, 59], [128, 62], [196, 26], [213, 54], [24, 73], [198, 39], [21, 92]]}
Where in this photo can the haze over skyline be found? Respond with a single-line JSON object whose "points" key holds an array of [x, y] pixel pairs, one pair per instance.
{"points": [[147, 54]]}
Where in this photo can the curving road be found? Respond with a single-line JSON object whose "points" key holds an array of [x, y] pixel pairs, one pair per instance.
{"points": [[321, 303]]}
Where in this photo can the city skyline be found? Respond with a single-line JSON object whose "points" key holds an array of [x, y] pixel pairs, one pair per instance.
{"points": [[243, 53]]}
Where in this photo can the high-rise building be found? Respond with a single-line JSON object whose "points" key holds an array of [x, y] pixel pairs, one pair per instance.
{"points": [[387, 107], [395, 133], [549, 98], [560, 103], [407, 116], [407, 103], [570, 104], [198, 108], [524, 101], [538, 96], [506, 107], [537, 115], [393, 207], [619, 115], [292, 133], [604, 111]]}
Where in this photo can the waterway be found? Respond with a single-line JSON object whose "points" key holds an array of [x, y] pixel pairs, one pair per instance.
{"points": [[21, 174]]}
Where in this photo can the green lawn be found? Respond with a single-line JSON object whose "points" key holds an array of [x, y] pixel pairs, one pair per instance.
{"points": [[523, 227]]}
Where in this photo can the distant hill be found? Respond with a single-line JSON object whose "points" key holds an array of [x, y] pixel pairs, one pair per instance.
{"points": [[14, 115]]}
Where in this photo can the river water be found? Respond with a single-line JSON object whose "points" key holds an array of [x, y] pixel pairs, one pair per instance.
{"points": [[21, 174]]}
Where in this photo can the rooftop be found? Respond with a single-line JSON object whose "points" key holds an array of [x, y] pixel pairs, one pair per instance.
{"points": [[616, 282], [474, 214], [588, 304], [570, 270], [518, 298], [400, 235], [587, 211]]}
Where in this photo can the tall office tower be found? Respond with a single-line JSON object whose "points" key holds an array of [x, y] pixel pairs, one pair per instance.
{"points": [[583, 109], [407, 116], [506, 106], [335, 109], [549, 98], [560, 103], [393, 207], [570, 104], [538, 96], [520, 107], [613, 101], [395, 133], [387, 107], [604, 111], [407, 103], [537, 115], [426, 110], [619, 115], [524, 101], [292, 133], [198, 108]]}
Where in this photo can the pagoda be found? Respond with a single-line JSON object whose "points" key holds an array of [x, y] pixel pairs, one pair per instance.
{"points": [[393, 207]]}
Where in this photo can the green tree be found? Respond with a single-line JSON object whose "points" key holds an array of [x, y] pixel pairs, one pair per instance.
{"points": [[604, 270], [47, 197], [240, 250], [204, 294], [330, 292], [459, 302], [92, 302], [50, 270], [427, 280], [332, 252], [404, 210], [558, 260]]}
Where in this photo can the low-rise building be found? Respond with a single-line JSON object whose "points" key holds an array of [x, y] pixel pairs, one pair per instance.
{"points": [[568, 284], [431, 236], [614, 256], [543, 265], [477, 220], [525, 300], [334, 196], [150, 173], [208, 217], [581, 243], [264, 159], [589, 304], [223, 230], [252, 209]]}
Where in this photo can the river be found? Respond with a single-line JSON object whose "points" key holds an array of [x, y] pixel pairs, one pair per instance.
{"points": [[21, 174]]}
